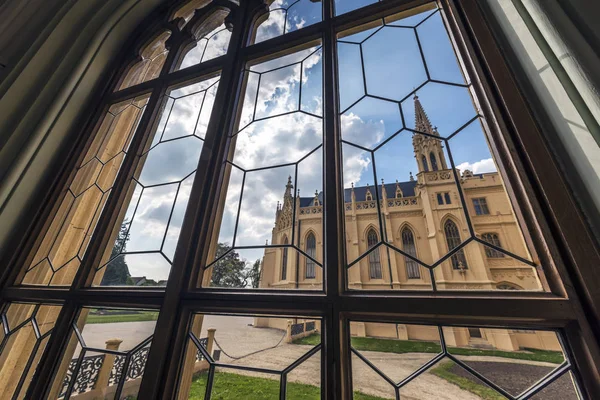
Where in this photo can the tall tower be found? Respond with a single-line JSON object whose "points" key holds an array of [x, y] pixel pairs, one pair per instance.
{"points": [[285, 212], [428, 150]]}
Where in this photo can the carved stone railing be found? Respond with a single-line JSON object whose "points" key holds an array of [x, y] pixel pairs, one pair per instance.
{"points": [[311, 210], [403, 202], [435, 176], [86, 377], [91, 366], [393, 202], [365, 205]]}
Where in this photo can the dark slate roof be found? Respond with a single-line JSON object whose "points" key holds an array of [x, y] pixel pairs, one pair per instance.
{"points": [[408, 189], [308, 201]]}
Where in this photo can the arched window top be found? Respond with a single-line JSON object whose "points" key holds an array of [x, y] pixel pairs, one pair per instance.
{"points": [[285, 16], [210, 45], [285, 240], [311, 250], [508, 286], [407, 235], [424, 162], [453, 240], [372, 238], [434, 164], [409, 246], [374, 256], [451, 230], [152, 58], [187, 10]]}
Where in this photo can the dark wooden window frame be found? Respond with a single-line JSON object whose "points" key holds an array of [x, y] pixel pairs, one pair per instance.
{"points": [[561, 234]]}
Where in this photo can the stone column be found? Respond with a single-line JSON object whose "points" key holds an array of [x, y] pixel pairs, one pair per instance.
{"points": [[288, 331], [101, 385], [211, 340]]}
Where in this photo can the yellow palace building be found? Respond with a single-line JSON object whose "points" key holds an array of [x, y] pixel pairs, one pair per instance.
{"points": [[424, 217]]}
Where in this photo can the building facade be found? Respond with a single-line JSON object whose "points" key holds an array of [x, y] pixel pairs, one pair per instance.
{"points": [[423, 217]]}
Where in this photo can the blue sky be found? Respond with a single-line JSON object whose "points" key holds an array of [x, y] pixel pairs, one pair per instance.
{"points": [[284, 128]]}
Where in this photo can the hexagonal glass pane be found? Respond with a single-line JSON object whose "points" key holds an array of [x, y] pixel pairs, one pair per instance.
{"points": [[272, 208], [370, 122], [512, 359], [26, 329], [392, 63], [395, 350], [252, 352], [150, 219], [412, 147], [448, 107], [487, 201], [100, 342], [448, 380], [65, 243]]}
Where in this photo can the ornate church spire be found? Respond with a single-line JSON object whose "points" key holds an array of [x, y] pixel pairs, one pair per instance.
{"points": [[288, 189], [428, 149], [285, 213], [422, 123]]}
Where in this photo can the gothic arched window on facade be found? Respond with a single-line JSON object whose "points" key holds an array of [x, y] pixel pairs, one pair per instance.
{"points": [[374, 256], [453, 240], [408, 245], [434, 165], [493, 239], [311, 250], [424, 162], [284, 260]]}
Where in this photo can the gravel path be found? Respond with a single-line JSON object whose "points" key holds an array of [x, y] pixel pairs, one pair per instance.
{"points": [[517, 377], [262, 347]]}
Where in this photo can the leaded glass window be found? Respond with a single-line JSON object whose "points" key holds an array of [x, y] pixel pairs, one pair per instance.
{"points": [[434, 166], [178, 255], [481, 207], [284, 260], [453, 241], [311, 250], [494, 239], [408, 245], [374, 256]]}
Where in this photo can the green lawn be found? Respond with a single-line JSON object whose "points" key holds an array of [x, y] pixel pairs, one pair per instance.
{"points": [[110, 318], [228, 386], [407, 346], [486, 393]]}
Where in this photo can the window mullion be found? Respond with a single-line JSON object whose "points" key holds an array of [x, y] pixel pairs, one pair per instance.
{"points": [[164, 359], [336, 375]]}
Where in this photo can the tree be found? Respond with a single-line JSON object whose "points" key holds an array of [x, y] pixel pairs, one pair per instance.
{"points": [[229, 271], [254, 274], [117, 272]]}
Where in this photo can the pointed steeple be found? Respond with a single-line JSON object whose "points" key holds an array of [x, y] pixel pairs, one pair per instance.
{"points": [[422, 123], [288, 188], [428, 148]]}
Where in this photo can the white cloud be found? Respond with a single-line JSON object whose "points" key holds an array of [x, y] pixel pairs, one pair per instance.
{"points": [[478, 167]]}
